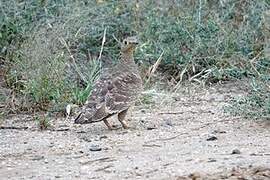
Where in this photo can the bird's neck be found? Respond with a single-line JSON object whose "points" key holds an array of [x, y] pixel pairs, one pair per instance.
{"points": [[127, 62], [127, 57]]}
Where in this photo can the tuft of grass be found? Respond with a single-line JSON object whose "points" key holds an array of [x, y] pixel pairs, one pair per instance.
{"points": [[43, 122], [1, 117], [256, 104], [81, 95]]}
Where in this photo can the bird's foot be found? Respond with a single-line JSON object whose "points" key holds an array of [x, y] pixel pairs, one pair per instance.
{"points": [[110, 127], [124, 124]]}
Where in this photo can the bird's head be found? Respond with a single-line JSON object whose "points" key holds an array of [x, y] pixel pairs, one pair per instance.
{"points": [[129, 44]]}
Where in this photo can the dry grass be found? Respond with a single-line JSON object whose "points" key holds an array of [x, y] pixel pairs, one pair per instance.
{"points": [[51, 48]]}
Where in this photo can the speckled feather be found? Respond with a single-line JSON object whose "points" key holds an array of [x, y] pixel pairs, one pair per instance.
{"points": [[115, 91]]}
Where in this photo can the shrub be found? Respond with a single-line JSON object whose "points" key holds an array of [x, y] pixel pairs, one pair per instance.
{"points": [[51, 46], [256, 104]]}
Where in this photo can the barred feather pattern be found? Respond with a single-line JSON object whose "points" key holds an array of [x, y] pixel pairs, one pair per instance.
{"points": [[114, 92]]}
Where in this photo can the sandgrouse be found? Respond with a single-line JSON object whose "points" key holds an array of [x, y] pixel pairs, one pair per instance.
{"points": [[115, 91]]}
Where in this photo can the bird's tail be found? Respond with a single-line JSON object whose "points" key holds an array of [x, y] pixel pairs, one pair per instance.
{"points": [[84, 118], [78, 119]]}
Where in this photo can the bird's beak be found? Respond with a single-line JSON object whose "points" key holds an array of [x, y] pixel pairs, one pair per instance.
{"points": [[134, 40]]}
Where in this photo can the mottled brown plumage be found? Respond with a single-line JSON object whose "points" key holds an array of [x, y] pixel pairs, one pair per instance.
{"points": [[115, 91]]}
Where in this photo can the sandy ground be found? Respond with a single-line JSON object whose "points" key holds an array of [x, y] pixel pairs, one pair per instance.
{"points": [[185, 136]]}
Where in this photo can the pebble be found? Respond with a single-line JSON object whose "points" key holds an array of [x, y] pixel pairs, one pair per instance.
{"points": [[219, 132], [95, 148], [103, 137], [212, 138], [143, 110], [168, 122], [151, 127], [37, 158], [212, 160], [236, 151]]}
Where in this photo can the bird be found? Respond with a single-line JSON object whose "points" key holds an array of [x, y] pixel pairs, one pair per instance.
{"points": [[115, 91]]}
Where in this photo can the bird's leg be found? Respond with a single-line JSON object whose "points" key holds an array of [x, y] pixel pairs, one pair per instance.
{"points": [[108, 124], [121, 118]]}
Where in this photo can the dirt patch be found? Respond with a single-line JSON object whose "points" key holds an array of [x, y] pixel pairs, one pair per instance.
{"points": [[186, 133]]}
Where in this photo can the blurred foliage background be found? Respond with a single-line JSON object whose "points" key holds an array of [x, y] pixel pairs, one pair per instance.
{"points": [[49, 48]]}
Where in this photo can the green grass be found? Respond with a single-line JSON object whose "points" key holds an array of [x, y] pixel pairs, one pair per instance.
{"points": [[256, 104], [51, 47], [42, 122]]}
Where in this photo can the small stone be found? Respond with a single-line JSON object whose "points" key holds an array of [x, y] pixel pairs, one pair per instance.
{"points": [[151, 127], [212, 160], [106, 148], [236, 151], [87, 139], [195, 175], [168, 122], [103, 137], [212, 138], [219, 132], [114, 126], [37, 158], [81, 132], [95, 148]]}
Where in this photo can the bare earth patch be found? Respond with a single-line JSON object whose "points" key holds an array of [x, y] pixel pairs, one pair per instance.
{"points": [[188, 138]]}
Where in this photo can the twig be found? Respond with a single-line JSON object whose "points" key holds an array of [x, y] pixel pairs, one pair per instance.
{"points": [[176, 87], [104, 168], [106, 159], [62, 40], [199, 12], [211, 123], [151, 145], [13, 127], [119, 42], [263, 154], [153, 68], [196, 75], [182, 112], [63, 129], [102, 44], [166, 139], [252, 65], [76, 34]]}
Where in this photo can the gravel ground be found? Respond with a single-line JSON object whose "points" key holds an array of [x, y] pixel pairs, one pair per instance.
{"points": [[183, 136]]}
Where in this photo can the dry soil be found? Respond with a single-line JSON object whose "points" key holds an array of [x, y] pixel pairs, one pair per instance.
{"points": [[185, 135]]}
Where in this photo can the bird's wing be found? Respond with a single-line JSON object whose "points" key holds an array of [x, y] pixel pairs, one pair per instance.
{"points": [[111, 95], [124, 91], [94, 108]]}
